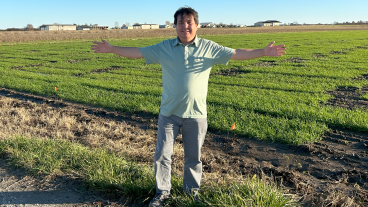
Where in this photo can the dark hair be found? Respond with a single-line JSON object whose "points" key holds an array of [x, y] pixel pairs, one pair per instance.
{"points": [[186, 11]]}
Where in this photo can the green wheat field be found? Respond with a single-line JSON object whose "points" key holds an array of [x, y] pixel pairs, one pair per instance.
{"points": [[279, 99]]}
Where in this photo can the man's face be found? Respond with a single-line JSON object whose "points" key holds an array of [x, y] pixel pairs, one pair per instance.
{"points": [[186, 28]]}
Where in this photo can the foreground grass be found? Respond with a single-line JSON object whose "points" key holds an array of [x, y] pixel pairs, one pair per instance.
{"points": [[105, 171]]}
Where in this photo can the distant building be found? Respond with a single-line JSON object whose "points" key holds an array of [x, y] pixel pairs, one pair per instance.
{"points": [[57, 27], [130, 27], [268, 23], [207, 24], [84, 28], [96, 27], [164, 26], [146, 26]]}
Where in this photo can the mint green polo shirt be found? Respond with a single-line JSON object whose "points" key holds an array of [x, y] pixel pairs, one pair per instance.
{"points": [[185, 73]]}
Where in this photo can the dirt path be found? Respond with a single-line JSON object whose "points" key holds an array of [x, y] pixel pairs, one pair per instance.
{"points": [[17, 188], [332, 172]]}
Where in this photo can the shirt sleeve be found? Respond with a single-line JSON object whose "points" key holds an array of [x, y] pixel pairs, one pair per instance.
{"points": [[221, 54], [151, 54]]}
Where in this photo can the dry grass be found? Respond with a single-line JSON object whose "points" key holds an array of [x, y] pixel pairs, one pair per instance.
{"points": [[332, 199], [76, 125], [42, 121], [24, 36], [30, 119]]}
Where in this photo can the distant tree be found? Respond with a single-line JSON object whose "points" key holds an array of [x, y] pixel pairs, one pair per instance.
{"points": [[29, 27], [14, 29], [136, 24], [116, 25], [167, 22], [127, 24]]}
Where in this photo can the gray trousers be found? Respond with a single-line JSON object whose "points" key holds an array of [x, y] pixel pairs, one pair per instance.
{"points": [[193, 132]]}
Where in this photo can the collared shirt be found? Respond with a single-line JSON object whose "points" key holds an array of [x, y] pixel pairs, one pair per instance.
{"points": [[185, 73]]}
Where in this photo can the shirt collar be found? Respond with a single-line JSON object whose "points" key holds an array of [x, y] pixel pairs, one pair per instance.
{"points": [[195, 42]]}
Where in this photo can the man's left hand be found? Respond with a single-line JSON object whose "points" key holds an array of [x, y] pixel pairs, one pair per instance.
{"points": [[274, 50]]}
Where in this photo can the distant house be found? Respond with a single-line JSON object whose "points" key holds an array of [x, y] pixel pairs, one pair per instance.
{"points": [[96, 27], [268, 23], [240, 25], [84, 28], [57, 27], [165, 26], [146, 26], [207, 24], [130, 27]]}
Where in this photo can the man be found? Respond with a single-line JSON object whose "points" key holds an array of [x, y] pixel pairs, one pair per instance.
{"points": [[186, 62]]}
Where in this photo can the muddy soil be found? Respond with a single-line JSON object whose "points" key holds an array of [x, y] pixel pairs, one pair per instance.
{"points": [[333, 172]]}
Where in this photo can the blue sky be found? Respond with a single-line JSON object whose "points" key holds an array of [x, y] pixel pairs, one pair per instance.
{"points": [[19, 13]]}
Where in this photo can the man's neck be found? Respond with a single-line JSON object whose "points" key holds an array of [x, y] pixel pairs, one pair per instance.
{"points": [[187, 42]]}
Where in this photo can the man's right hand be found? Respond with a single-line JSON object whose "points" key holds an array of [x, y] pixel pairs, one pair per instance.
{"points": [[105, 47], [101, 47]]}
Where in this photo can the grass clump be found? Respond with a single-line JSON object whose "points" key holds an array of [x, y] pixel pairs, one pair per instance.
{"points": [[99, 168], [106, 171], [250, 192]]}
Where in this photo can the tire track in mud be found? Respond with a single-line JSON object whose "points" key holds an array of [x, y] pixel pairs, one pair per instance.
{"points": [[316, 174]]}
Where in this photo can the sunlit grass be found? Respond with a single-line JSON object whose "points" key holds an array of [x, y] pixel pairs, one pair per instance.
{"points": [[103, 170]]}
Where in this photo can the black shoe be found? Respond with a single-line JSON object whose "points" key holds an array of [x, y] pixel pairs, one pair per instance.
{"points": [[193, 194], [158, 200]]}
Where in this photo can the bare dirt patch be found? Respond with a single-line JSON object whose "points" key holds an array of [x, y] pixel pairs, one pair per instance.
{"points": [[232, 72], [104, 70], [348, 97], [28, 66], [332, 172], [244, 70]]}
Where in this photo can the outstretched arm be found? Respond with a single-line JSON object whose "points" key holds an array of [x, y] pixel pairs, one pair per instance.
{"points": [[106, 47], [270, 50]]}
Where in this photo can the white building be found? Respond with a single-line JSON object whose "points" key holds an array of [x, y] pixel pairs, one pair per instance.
{"points": [[268, 23], [146, 26], [57, 27]]}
